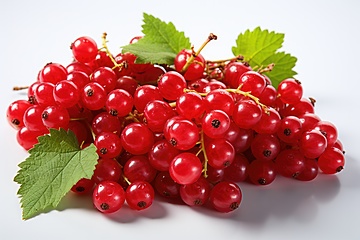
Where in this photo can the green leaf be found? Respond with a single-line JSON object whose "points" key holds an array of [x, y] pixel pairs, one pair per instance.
{"points": [[284, 64], [257, 44], [160, 44], [260, 48], [54, 165], [152, 52]]}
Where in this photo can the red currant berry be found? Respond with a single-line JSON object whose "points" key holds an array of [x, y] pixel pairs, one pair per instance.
{"points": [[261, 172], [166, 186], [140, 195], [83, 186], [185, 168], [197, 193], [53, 73], [195, 69], [119, 103], [108, 196], [93, 96], [66, 93], [290, 91], [233, 72], [247, 113], [215, 123], [15, 113], [225, 196], [331, 161], [107, 169], [55, 117], [106, 77], [190, 105], [182, 134], [312, 143], [138, 168], [237, 171], [108, 145], [220, 153], [171, 85], [84, 49], [137, 138]]}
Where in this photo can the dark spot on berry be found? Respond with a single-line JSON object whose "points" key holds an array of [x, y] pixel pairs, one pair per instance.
{"points": [[215, 123], [166, 194], [226, 164], [103, 150], [45, 115], [113, 112], [15, 121], [80, 189], [195, 85], [287, 132], [323, 133], [90, 92], [141, 204], [262, 181], [234, 205], [297, 81], [339, 169], [295, 175], [173, 142], [198, 202], [104, 206], [267, 153], [32, 99]]}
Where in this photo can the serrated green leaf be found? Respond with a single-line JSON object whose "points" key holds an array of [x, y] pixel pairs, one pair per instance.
{"points": [[258, 44], [283, 67], [160, 44], [152, 52], [260, 48], [54, 165]]}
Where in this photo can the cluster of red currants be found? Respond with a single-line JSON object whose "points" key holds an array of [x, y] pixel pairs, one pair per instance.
{"points": [[189, 131]]}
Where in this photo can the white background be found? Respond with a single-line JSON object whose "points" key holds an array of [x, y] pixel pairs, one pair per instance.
{"points": [[323, 35]]}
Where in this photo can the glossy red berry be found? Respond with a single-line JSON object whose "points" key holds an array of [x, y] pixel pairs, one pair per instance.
{"points": [[108, 196], [140, 195], [84, 49], [225, 196]]}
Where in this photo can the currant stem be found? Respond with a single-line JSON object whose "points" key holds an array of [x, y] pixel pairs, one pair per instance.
{"points": [[105, 47], [249, 95], [202, 149], [18, 88], [195, 54], [186, 90], [236, 58], [172, 104], [126, 179], [133, 117], [237, 91], [268, 68]]}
